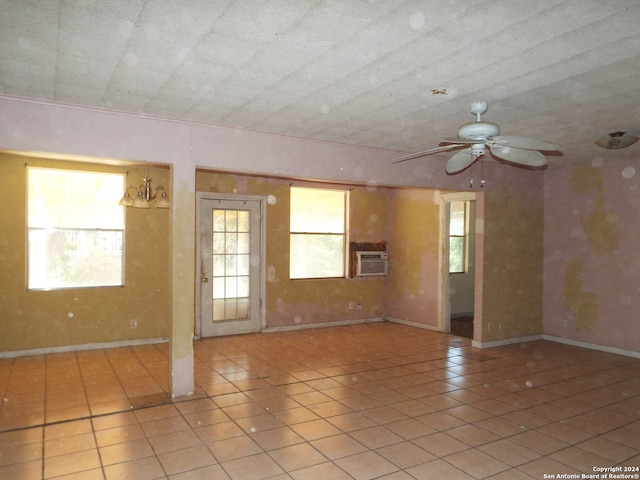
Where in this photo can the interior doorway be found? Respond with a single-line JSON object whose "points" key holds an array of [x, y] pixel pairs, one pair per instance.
{"points": [[459, 271], [230, 270]]}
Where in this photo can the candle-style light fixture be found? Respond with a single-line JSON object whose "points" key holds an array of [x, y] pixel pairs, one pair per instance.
{"points": [[146, 194]]}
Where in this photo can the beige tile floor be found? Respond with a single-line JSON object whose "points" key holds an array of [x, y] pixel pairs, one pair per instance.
{"points": [[379, 401]]}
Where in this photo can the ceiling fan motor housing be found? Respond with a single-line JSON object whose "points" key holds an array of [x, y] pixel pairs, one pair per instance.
{"points": [[479, 130]]}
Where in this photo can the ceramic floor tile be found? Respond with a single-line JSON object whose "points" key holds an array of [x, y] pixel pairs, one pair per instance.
{"points": [[211, 472], [405, 455], [315, 429], [326, 470], [338, 446], [112, 436], [13, 454], [259, 423], [23, 471], [164, 426], [233, 448], [472, 435], [71, 463], [276, 438], [409, 428], [349, 422], [340, 402], [376, 437], [441, 444], [186, 459], [476, 463], [296, 457], [438, 469], [538, 442], [174, 441], [148, 468], [68, 444], [219, 431], [366, 465], [578, 459], [440, 421], [125, 452], [612, 451], [511, 453], [254, 467]]}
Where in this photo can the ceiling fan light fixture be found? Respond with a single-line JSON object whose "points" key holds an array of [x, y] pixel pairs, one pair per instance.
{"points": [[616, 140]]}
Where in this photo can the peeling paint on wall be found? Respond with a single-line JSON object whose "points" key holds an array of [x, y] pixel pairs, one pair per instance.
{"points": [[292, 302], [580, 303], [512, 279], [416, 228], [600, 226], [64, 317]]}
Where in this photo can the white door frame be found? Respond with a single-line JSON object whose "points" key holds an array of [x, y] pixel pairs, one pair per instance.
{"points": [[262, 200], [444, 307]]}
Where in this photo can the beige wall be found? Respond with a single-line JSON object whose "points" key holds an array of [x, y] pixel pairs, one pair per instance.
{"points": [[408, 219], [414, 236], [45, 319], [513, 263], [300, 302]]}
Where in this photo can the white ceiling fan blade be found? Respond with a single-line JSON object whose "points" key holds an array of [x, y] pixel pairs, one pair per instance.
{"points": [[424, 153], [531, 158], [460, 161], [526, 143]]}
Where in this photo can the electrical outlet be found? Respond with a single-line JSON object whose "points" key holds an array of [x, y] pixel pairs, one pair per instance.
{"points": [[351, 305], [489, 326], [359, 306]]}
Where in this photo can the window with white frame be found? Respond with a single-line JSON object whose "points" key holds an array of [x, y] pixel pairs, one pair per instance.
{"points": [[317, 233], [458, 233], [75, 229]]}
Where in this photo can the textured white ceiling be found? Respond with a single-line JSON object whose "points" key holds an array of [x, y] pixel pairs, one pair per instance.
{"points": [[357, 72]]}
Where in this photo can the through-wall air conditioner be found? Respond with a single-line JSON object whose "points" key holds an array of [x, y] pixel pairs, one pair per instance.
{"points": [[369, 264]]}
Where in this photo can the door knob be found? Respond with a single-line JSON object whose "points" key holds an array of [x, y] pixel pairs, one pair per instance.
{"points": [[205, 279]]}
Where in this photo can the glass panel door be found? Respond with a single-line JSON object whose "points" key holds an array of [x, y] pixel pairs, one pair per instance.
{"points": [[231, 258], [230, 266]]}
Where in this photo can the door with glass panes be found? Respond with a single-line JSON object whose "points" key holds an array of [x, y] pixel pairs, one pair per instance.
{"points": [[230, 266]]}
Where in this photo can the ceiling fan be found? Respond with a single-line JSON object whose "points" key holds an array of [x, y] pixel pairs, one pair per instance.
{"points": [[477, 136]]}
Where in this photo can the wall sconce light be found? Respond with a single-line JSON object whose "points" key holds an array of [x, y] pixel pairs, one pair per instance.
{"points": [[145, 194]]}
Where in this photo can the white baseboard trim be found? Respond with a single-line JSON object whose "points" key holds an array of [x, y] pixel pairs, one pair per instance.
{"points": [[409, 323], [592, 346], [506, 341], [305, 326], [84, 346]]}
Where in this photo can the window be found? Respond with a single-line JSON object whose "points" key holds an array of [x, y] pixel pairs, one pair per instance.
{"points": [[75, 229], [458, 233], [317, 228]]}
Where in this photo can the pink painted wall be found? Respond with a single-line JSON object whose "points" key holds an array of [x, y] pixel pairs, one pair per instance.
{"points": [[43, 127], [185, 146], [512, 254], [591, 262], [414, 241]]}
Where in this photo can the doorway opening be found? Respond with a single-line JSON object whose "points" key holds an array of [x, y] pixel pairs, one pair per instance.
{"points": [[230, 267], [459, 264]]}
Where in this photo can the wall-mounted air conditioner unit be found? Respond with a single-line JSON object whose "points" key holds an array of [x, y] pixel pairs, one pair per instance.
{"points": [[369, 264]]}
